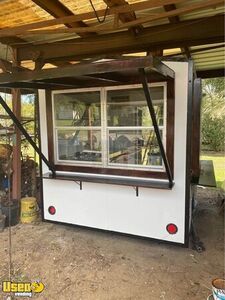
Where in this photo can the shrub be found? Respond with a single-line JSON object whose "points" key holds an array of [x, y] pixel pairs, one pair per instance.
{"points": [[213, 132]]}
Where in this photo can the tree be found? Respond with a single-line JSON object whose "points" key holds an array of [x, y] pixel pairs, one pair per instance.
{"points": [[213, 114]]}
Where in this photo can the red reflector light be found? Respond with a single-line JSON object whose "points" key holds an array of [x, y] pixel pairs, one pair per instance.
{"points": [[51, 210], [172, 228]]}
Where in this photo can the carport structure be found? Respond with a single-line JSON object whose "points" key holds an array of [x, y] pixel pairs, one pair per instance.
{"points": [[62, 45], [44, 34]]}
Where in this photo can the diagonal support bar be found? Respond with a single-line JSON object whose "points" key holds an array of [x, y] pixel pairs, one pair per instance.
{"points": [[155, 125], [26, 134]]}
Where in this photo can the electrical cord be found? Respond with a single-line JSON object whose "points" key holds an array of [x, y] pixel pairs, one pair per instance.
{"points": [[96, 14]]}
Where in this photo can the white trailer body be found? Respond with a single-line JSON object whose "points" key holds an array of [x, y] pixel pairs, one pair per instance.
{"points": [[118, 208]]}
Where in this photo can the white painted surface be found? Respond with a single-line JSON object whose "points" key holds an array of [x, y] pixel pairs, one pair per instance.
{"points": [[116, 208], [43, 127]]}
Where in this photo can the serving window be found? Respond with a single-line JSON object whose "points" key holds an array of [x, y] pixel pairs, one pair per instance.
{"points": [[78, 127], [109, 130], [130, 134]]}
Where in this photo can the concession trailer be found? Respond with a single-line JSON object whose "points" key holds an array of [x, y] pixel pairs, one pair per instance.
{"points": [[119, 145]]}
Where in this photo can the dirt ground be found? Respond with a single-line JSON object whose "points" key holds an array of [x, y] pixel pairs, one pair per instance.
{"points": [[76, 263]]}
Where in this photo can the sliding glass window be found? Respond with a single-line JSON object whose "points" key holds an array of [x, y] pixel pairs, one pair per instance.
{"points": [[109, 127], [77, 122], [131, 137]]}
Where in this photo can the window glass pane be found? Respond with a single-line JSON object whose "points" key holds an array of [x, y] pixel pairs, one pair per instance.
{"points": [[79, 145], [129, 107], [134, 147], [77, 109]]}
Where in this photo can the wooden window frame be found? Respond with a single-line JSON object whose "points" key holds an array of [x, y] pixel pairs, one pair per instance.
{"points": [[155, 174]]}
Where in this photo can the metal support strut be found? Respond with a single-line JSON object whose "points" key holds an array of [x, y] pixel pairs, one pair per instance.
{"points": [[155, 125], [26, 134]]}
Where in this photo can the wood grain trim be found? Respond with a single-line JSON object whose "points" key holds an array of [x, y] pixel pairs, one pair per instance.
{"points": [[115, 171], [49, 117], [196, 120], [170, 117], [112, 171]]}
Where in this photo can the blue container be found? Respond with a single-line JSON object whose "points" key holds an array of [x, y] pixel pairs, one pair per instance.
{"points": [[5, 182]]}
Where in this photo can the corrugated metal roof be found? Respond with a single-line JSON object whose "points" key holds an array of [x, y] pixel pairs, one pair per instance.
{"points": [[209, 59], [201, 13]]}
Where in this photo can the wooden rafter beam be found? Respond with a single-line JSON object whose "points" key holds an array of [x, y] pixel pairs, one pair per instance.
{"points": [[172, 19], [90, 15], [124, 17], [62, 64], [8, 67], [109, 27], [186, 33], [76, 70], [89, 70], [176, 12], [157, 52], [12, 40], [58, 10], [175, 20]]}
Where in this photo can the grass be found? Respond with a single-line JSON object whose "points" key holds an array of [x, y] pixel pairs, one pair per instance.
{"points": [[218, 159]]}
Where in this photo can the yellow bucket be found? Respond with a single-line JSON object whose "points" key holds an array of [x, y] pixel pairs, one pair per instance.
{"points": [[29, 210]]}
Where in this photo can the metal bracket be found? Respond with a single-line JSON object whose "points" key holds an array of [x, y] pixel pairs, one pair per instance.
{"points": [[27, 136], [80, 183], [137, 190], [155, 125]]}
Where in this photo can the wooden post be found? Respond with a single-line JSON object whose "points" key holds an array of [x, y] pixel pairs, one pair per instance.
{"points": [[196, 124], [16, 159]]}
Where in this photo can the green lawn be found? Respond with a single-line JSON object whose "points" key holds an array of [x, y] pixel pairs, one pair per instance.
{"points": [[219, 165]]}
